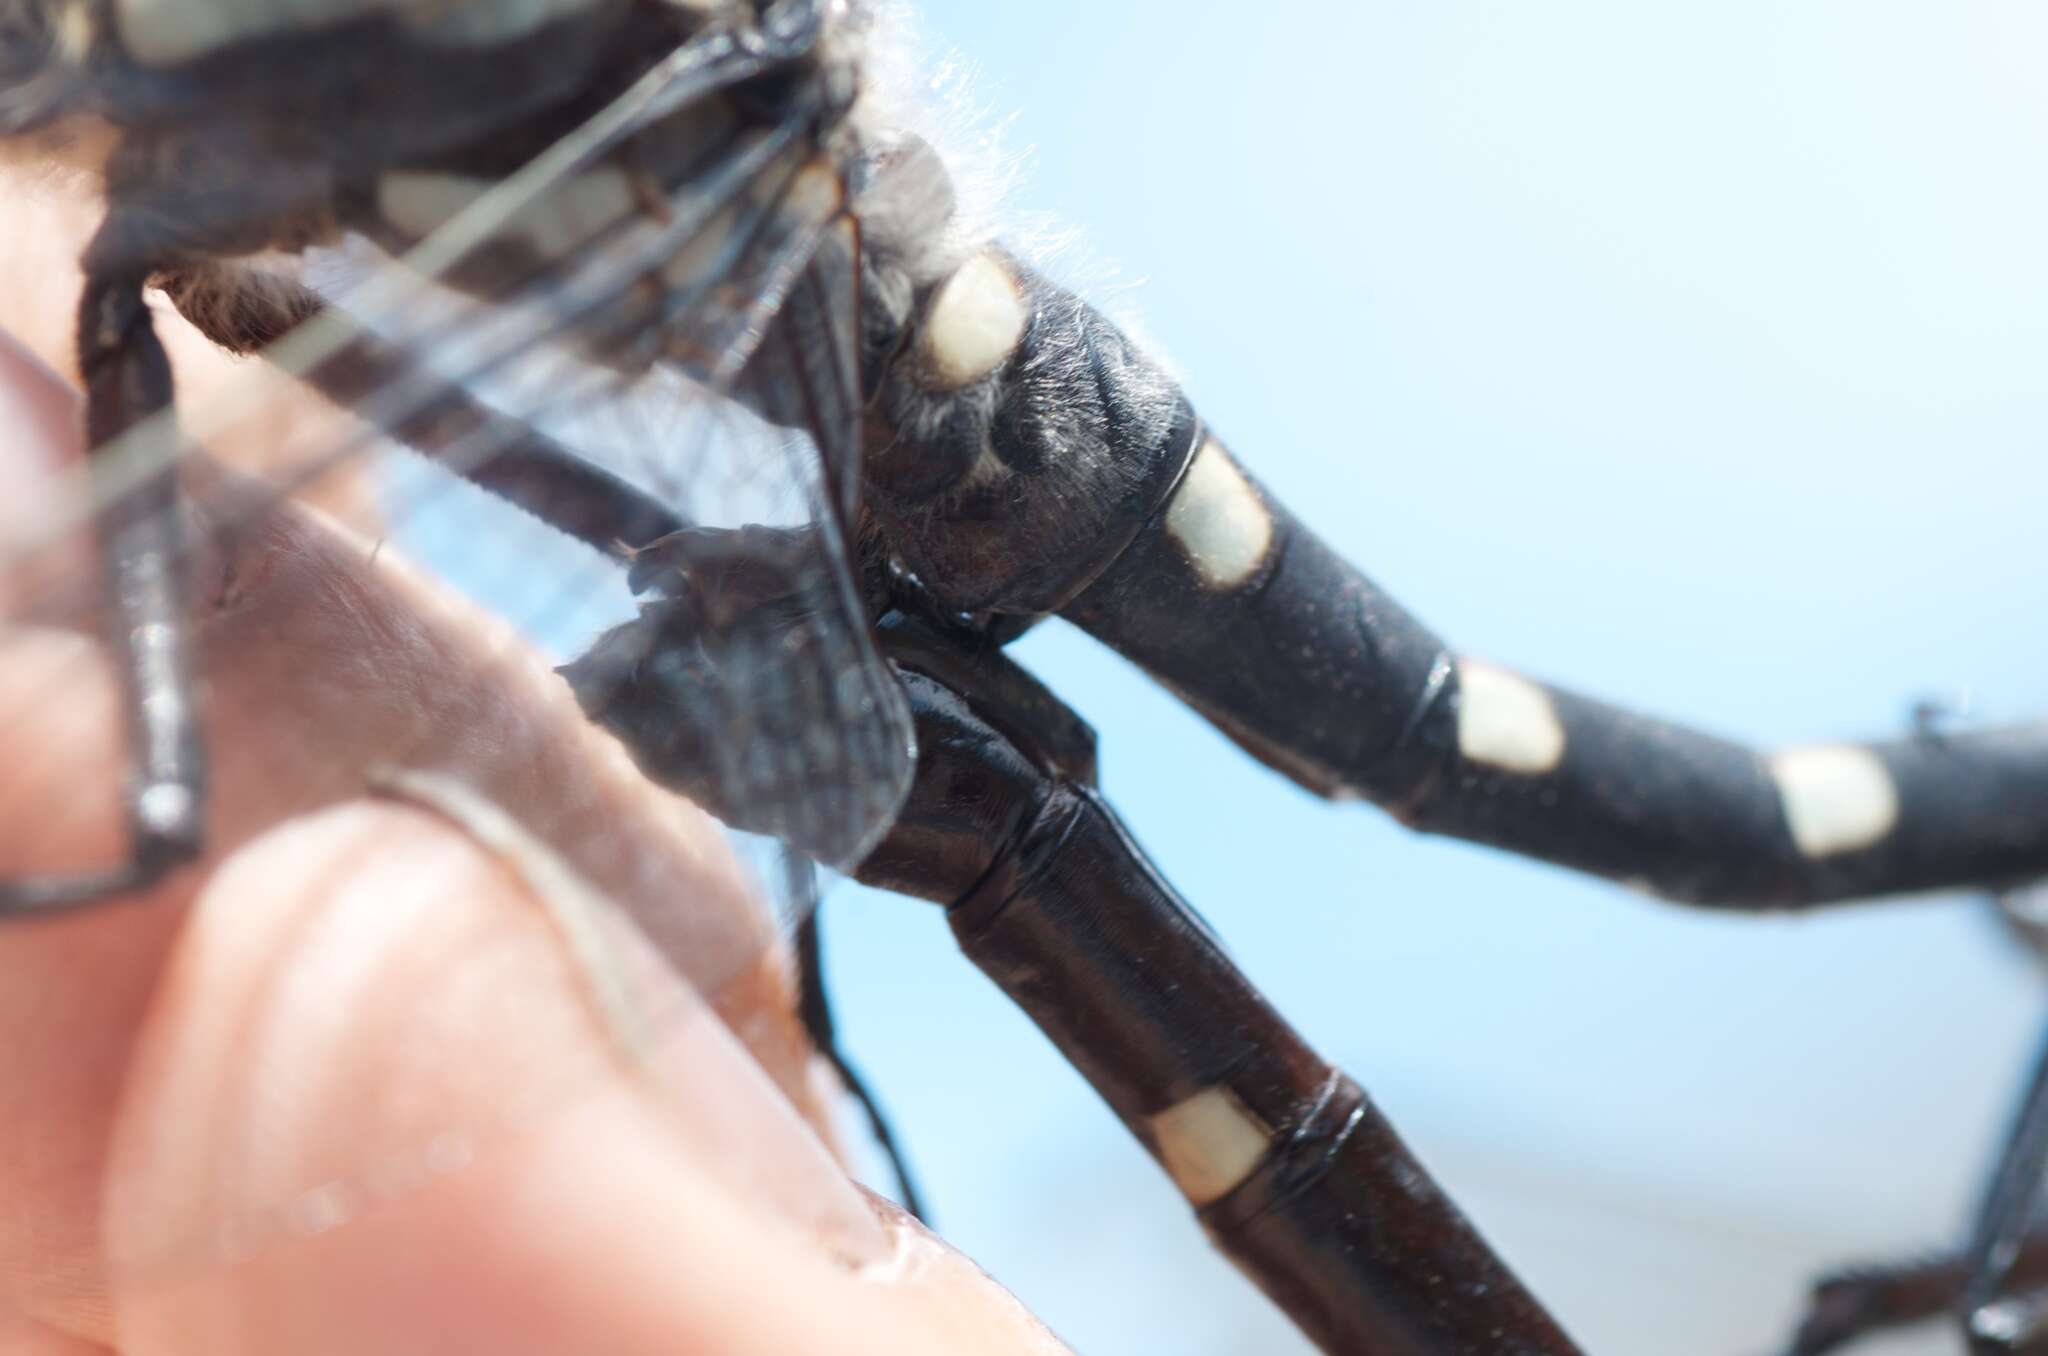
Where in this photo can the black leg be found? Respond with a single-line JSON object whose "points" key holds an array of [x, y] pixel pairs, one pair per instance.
{"points": [[1996, 1288], [138, 520], [1997, 1316], [814, 1007], [2016, 1326], [1861, 1301], [138, 525]]}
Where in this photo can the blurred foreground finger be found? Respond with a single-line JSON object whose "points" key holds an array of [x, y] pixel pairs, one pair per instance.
{"points": [[322, 660], [530, 1189]]}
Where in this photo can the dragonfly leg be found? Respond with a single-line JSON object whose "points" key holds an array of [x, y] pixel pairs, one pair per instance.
{"points": [[138, 524], [1999, 1313], [1291, 1169], [2017, 1326], [1996, 1288], [814, 1007], [1857, 1302]]}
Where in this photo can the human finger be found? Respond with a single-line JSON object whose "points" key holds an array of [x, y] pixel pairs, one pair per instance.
{"points": [[323, 660]]}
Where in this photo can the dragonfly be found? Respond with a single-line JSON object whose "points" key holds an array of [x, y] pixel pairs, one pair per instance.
{"points": [[933, 379]]}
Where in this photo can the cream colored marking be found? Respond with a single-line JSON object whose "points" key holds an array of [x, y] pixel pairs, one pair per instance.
{"points": [[420, 202], [1209, 1143], [974, 323], [1218, 519], [1506, 721], [1836, 798]]}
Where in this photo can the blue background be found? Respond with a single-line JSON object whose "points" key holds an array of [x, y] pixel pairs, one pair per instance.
{"points": [[1694, 357]]}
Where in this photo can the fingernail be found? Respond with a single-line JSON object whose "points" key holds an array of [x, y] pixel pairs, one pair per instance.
{"points": [[728, 1111], [718, 1099]]}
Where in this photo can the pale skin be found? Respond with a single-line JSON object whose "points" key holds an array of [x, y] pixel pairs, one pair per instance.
{"points": [[193, 1083]]}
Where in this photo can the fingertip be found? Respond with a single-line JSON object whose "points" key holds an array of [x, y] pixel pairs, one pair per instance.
{"points": [[376, 1109], [588, 1234], [349, 988], [73, 984]]}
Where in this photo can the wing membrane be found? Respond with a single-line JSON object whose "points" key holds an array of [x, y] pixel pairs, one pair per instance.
{"points": [[808, 766], [576, 342], [685, 366]]}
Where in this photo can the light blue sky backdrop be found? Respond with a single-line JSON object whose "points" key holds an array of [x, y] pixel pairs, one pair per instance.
{"points": [[1695, 357]]}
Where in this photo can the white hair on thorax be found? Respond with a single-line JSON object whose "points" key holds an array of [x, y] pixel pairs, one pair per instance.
{"points": [[917, 97], [914, 90]]}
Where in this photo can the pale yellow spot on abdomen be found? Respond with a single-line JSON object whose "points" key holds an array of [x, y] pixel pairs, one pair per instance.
{"points": [[1506, 721], [1219, 520], [1209, 1143], [1837, 798]]}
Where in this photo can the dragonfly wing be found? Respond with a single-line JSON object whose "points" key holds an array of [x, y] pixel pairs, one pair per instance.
{"points": [[696, 351], [781, 715], [582, 326]]}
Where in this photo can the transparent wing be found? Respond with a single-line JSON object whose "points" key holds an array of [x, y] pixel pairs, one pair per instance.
{"points": [[741, 683], [750, 678], [671, 384], [553, 339]]}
